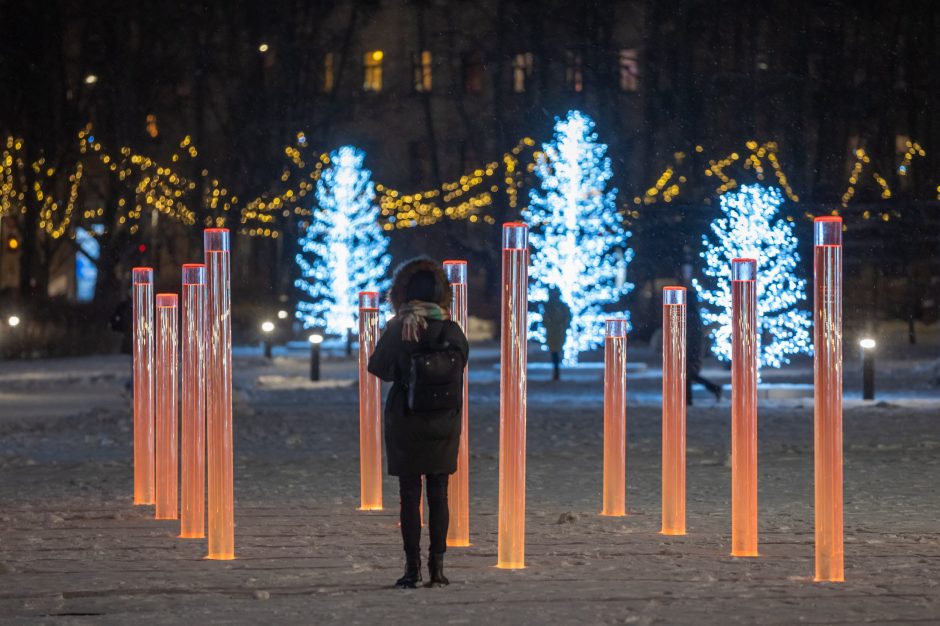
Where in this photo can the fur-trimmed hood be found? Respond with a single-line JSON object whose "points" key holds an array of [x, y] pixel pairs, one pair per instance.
{"points": [[403, 274]]}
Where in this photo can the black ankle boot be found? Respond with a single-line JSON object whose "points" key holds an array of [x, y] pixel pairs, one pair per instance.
{"points": [[436, 571], [412, 574]]}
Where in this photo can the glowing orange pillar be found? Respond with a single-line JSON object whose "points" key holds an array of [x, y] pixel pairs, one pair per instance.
{"points": [[743, 407], [193, 435], [615, 418], [166, 379], [674, 374], [219, 454], [370, 407], [458, 497], [143, 384], [827, 383], [512, 396]]}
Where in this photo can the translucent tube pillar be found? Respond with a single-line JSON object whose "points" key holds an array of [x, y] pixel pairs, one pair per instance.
{"points": [[827, 383], [166, 379], [743, 407], [615, 418], [193, 436], [143, 384], [512, 396], [370, 407], [674, 374], [458, 498], [219, 455]]}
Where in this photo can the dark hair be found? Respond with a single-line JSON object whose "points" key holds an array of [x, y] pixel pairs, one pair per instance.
{"points": [[421, 278]]}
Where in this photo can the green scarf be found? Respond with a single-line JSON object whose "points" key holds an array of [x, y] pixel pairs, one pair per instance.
{"points": [[414, 318]]}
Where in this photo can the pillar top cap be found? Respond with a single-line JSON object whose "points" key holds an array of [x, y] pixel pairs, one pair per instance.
{"points": [[674, 295], [827, 230]]}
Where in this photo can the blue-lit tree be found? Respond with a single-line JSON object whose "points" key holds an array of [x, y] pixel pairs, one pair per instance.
{"points": [[751, 227], [343, 250], [579, 244]]}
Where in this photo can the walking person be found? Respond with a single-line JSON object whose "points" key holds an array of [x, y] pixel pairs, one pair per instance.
{"points": [[423, 354], [694, 339], [557, 318]]}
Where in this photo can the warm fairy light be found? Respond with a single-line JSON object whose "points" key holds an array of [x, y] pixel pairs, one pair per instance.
{"points": [[263, 48], [91, 79]]}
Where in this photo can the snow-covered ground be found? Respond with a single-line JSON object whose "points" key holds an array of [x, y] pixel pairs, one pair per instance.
{"points": [[74, 549]]}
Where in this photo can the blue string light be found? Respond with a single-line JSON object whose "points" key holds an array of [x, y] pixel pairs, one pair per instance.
{"points": [[751, 228], [577, 236], [343, 250]]}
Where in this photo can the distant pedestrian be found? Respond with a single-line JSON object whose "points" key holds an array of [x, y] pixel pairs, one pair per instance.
{"points": [[122, 321], [423, 353], [557, 318], [694, 349]]}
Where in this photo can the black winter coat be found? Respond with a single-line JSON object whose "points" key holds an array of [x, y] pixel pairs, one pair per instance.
{"points": [[424, 443]]}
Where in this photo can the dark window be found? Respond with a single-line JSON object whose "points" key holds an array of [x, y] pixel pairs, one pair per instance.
{"points": [[574, 72], [421, 62], [629, 70], [473, 72], [521, 71]]}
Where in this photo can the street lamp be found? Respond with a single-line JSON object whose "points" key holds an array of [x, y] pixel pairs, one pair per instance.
{"points": [[13, 321], [315, 340], [267, 328], [282, 314], [867, 344]]}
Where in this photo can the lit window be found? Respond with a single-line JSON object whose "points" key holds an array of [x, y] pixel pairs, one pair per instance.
{"points": [[521, 71], [629, 70], [372, 78], [328, 72], [152, 129], [574, 74], [473, 72], [422, 70]]}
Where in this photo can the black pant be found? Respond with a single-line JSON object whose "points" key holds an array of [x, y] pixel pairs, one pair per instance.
{"points": [[409, 489], [698, 378]]}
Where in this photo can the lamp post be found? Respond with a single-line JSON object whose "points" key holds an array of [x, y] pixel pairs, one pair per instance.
{"points": [[267, 328], [316, 339], [868, 368]]}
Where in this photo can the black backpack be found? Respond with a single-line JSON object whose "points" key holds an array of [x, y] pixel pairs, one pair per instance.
{"points": [[435, 382]]}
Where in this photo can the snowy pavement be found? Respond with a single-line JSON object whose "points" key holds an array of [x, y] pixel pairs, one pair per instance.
{"points": [[73, 549]]}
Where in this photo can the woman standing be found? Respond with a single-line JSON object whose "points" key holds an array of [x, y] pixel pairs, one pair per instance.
{"points": [[423, 354]]}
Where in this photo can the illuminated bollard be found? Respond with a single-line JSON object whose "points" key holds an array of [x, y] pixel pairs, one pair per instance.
{"points": [[674, 374], [458, 497], [166, 379], [868, 367], [193, 433], [143, 384], [315, 340], [743, 407], [370, 407], [827, 384], [219, 454], [512, 396], [615, 418]]}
